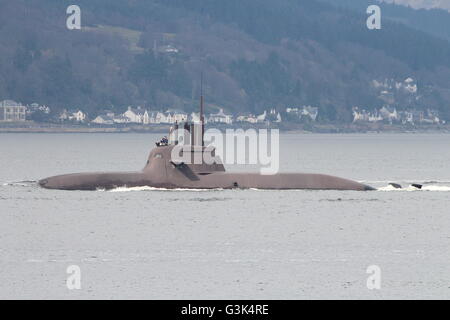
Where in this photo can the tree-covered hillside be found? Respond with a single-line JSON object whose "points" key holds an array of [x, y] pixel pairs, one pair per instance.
{"points": [[255, 54], [433, 21]]}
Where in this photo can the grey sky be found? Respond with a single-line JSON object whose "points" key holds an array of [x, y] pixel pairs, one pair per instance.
{"points": [[445, 4]]}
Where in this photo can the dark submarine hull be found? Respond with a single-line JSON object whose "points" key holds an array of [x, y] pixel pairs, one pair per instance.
{"points": [[108, 181], [161, 172]]}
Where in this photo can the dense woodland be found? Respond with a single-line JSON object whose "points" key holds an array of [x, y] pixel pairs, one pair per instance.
{"points": [[254, 54]]}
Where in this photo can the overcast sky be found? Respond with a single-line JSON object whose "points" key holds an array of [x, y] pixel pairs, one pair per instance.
{"points": [[445, 4]]}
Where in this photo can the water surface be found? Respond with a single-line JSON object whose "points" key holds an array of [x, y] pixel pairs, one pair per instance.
{"points": [[227, 244]]}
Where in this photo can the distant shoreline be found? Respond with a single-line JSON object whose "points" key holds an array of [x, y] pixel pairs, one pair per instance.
{"points": [[30, 127]]}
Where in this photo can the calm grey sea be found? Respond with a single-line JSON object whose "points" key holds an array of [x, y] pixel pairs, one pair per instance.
{"points": [[239, 244]]}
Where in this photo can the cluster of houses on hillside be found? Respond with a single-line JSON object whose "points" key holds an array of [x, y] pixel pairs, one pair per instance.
{"points": [[391, 115], [11, 111], [14, 112], [141, 116], [304, 113]]}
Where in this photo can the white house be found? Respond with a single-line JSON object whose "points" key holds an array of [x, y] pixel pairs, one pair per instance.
{"points": [[145, 117], [410, 86], [12, 111], [431, 117], [309, 111], [160, 117], [389, 113], [78, 116], [34, 107], [220, 117], [304, 112], [278, 117], [121, 119], [247, 118], [274, 115], [136, 115], [64, 115], [103, 119], [365, 116], [359, 115], [262, 117], [166, 117], [179, 116], [168, 49], [172, 116], [375, 117], [153, 117]]}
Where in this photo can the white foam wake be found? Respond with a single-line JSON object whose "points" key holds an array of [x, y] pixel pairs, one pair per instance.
{"points": [[411, 188], [130, 189], [146, 188], [436, 188], [24, 183]]}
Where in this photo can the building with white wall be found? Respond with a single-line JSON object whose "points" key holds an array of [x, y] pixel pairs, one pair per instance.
{"points": [[11, 111]]}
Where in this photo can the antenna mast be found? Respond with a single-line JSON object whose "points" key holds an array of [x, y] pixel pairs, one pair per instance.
{"points": [[202, 118]]}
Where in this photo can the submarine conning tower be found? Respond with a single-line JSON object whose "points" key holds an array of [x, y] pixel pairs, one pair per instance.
{"points": [[187, 157], [185, 149]]}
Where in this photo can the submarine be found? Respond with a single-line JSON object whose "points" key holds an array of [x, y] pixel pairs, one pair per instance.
{"points": [[165, 172]]}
